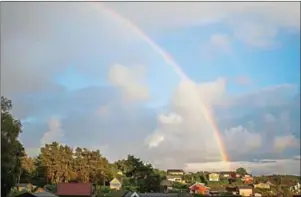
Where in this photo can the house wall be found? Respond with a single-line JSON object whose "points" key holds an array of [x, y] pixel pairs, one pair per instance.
{"points": [[214, 177], [117, 187], [176, 179], [263, 186], [201, 190], [245, 192], [176, 173]]}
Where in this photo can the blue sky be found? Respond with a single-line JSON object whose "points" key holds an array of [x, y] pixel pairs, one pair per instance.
{"points": [[87, 79]]}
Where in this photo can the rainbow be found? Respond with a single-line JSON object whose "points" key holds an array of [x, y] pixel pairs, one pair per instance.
{"points": [[171, 62]]}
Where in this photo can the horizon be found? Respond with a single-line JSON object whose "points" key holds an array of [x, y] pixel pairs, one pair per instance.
{"points": [[190, 87]]}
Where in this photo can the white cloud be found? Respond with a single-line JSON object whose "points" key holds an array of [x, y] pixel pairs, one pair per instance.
{"points": [[186, 133], [187, 126], [171, 118], [240, 140], [217, 43], [54, 133], [284, 142], [131, 80], [255, 23], [279, 166]]}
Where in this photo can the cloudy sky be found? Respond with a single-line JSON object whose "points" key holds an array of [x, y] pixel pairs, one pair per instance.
{"points": [[155, 79]]}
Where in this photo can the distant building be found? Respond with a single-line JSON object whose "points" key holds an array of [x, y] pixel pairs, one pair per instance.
{"points": [[115, 184], [227, 174], [199, 188], [214, 176], [245, 190], [74, 189], [247, 179], [262, 186], [175, 175]]}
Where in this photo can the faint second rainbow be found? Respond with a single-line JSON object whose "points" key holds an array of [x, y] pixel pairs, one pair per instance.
{"points": [[171, 62]]}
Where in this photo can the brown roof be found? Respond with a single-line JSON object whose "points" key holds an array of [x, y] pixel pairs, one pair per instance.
{"points": [[74, 189], [174, 170]]}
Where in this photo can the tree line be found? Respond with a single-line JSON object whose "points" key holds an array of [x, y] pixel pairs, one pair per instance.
{"points": [[58, 163]]}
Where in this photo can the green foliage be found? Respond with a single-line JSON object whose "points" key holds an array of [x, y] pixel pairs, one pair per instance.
{"points": [[11, 149], [101, 190], [241, 171], [51, 188], [15, 192]]}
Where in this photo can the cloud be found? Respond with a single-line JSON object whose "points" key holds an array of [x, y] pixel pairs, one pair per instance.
{"points": [[189, 137], [48, 38], [217, 43], [241, 141], [256, 24], [288, 141], [130, 80], [190, 126], [54, 133]]}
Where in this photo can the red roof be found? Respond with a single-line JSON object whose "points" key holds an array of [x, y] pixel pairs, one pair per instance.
{"points": [[74, 189]]}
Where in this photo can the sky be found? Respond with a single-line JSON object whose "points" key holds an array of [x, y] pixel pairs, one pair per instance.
{"points": [[134, 78]]}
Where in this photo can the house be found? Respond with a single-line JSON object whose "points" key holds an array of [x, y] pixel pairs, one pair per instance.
{"points": [[74, 189], [227, 174], [296, 188], [25, 187], [214, 176], [245, 190], [40, 194], [166, 185], [199, 188], [175, 172], [136, 194], [175, 176], [115, 184], [262, 186], [247, 179]]}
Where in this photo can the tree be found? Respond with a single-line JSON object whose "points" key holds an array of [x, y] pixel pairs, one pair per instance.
{"points": [[11, 148], [241, 171], [28, 168]]}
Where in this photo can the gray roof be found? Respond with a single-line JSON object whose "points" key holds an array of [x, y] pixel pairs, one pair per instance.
{"points": [[128, 194], [44, 194]]}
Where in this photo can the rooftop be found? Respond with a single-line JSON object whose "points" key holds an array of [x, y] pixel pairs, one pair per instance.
{"points": [[74, 189], [174, 170]]}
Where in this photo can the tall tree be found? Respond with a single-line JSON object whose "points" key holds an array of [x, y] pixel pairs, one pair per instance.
{"points": [[241, 171], [11, 148], [28, 168]]}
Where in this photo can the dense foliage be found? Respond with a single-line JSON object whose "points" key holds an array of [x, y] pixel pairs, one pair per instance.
{"points": [[11, 148]]}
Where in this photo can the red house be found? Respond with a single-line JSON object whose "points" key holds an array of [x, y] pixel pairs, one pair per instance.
{"points": [[74, 189], [199, 188]]}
